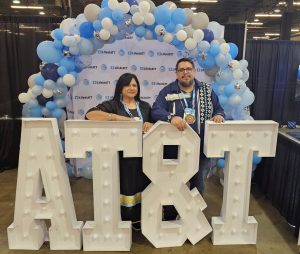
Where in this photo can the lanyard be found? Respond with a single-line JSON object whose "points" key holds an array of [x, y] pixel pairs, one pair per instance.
{"points": [[137, 109], [193, 99]]}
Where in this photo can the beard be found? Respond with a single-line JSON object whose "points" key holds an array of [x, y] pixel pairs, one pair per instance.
{"points": [[187, 84]]}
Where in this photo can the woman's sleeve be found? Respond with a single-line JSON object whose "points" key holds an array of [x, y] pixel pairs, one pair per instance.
{"points": [[106, 106]]}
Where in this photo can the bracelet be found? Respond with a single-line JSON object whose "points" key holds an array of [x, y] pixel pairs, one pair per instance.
{"points": [[110, 117]]}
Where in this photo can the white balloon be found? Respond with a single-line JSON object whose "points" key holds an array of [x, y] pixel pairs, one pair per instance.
{"points": [[124, 7], [138, 18], [152, 6], [69, 80], [114, 30], [47, 93], [144, 7], [160, 30], [181, 35], [91, 12], [189, 16], [69, 41], [149, 19], [31, 94], [179, 27], [74, 50], [104, 34], [200, 20], [172, 6], [243, 64], [189, 31], [85, 47], [77, 37], [198, 35], [168, 38], [24, 97], [113, 4], [37, 90], [107, 23], [67, 25], [30, 81], [133, 9], [237, 74], [224, 48], [190, 44], [216, 28], [234, 64]]}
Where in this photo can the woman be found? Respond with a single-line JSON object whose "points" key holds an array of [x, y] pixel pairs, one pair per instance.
{"points": [[126, 105]]}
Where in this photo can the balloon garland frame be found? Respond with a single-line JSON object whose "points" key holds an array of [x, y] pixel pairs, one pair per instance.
{"points": [[78, 38]]}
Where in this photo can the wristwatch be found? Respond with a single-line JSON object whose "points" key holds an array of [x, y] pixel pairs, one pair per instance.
{"points": [[170, 117]]}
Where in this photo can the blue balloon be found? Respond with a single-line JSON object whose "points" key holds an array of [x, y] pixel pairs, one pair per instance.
{"points": [[208, 35], [170, 27], [97, 24], [256, 159], [49, 84], [162, 15], [70, 169], [140, 31], [39, 80], [50, 105], [58, 44], [234, 51], [58, 34], [221, 163], [104, 4], [132, 2], [175, 42], [105, 13], [117, 15], [223, 100], [36, 111], [229, 90], [62, 71], [57, 113], [214, 50], [86, 30], [42, 100], [179, 16], [225, 77], [68, 63], [47, 52], [206, 61], [49, 71]]}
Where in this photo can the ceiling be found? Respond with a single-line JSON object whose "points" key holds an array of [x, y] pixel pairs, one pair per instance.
{"points": [[225, 11]]}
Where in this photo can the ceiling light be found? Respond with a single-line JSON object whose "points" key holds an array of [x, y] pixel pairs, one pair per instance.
{"points": [[255, 23], [16, 2], [256, 20], [272, 34], [42, 13], [26, 7], [296, 3], [282, 3], [295, 30], [268, 15], [276, 10], [261, 37], [193, 8]]}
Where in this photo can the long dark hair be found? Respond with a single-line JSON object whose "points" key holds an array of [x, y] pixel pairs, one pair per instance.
{"points": [[124, 80]]}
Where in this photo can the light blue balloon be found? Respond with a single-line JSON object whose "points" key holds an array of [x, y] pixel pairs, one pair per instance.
{"points": [[39, 80], [203, 46], [61, 103], [47, 52], [104, 4], [256, 159], [32, 103], [206, 61], [60, 91], [36, 111], [58, 34], [223, 100], [214, 50], [162, 15], [68, 63], [62, 71], [86, 47], [57, 113], [37, 90], [97, 25], [234, 51], [50, 105], [117, 15], [179, 16], [105, 13], [46, 112], [49, 84], [221, 163], [58, 44], [225, 77], [140, 31], [229, 90]]}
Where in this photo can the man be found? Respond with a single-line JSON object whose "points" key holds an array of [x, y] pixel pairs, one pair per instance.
{"points": [[189, 101]]}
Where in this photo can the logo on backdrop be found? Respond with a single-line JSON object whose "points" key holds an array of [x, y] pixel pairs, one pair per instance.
{"points": [[158, 83], [106, 52], [145, 83], [165, 54], [162, 68], [85, 82], [99, 97], [151, 53], [179, 54], [80, 112], [133, 68], [101, 82], [88, 97], [103, 67], [118, 67], [146, 68], [121, 52], [171, 69], [136, 53]]}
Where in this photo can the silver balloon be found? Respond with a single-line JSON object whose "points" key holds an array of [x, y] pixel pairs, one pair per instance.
{"points": [[42, 64], [67, 53], [97, 35], [128, 22], [212, 72]]}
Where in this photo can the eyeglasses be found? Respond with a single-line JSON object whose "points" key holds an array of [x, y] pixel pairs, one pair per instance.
{"points": [[182, 70]]}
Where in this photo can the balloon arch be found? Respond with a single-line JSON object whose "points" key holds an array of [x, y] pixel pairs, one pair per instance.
{"points": [[79, 38]]}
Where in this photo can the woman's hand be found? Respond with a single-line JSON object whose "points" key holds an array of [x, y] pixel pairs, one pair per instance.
{"points": [[218, 119], [147, 126]]}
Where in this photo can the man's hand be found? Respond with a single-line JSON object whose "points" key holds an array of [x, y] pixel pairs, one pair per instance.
{"points": [[218, 119], [147, 126], [179, 123]]}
